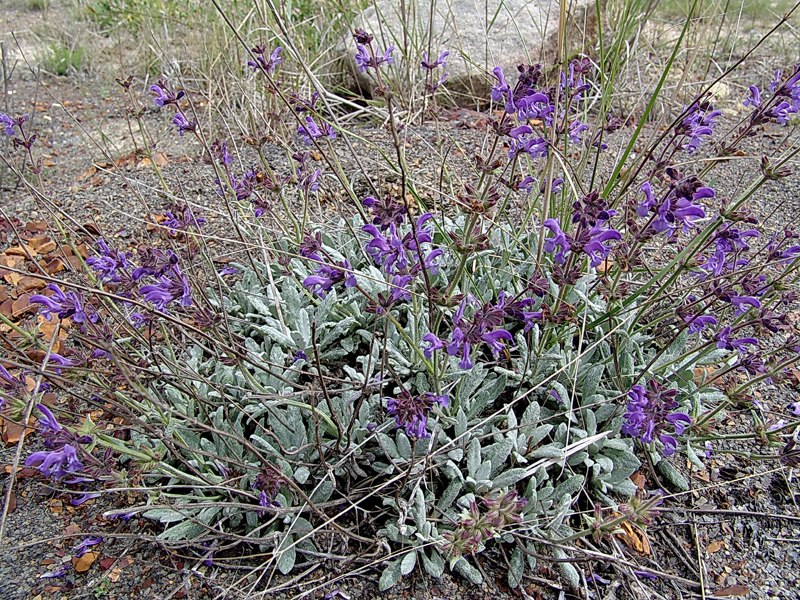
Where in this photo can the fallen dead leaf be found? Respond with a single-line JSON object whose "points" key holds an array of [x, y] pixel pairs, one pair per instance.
{"points": [[105, 563], [30, 283], [12, 502], [733, 590], [114, 574], [634, 537], [22, 306], [56, 506], [83, 563], [715, 547], [638, 480], [36, 226], [72, 529]]}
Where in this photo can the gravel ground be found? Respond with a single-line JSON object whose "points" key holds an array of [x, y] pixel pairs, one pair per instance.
{"points": [[737, 531]]}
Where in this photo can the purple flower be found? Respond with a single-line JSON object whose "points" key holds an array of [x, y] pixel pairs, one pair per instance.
{"points": [[435, 344], [723, 343], [558, 241], [482, 327], [411, 412], [396, 254], [575, 129], [649, 413], [795, 408], [47, 421], [166, 290], [648, 203], [501, 89], [327, 276], [55, 463], [59, 572], [263, 63], [441, 61], [163, 95], [698, 322], [87, 543], [754, 99], [311, 131], [7, 123], [698, 122], [108, 262], [62, 304], [743, 303], [365, 61], [183, 125], [84, 497]]}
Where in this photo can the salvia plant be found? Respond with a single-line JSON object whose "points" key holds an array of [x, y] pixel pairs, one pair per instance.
{"points": [[419, 382]]}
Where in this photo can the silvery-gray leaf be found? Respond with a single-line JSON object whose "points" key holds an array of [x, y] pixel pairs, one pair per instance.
{"points": [[287, 553], [403, 445], [510, 477], [301, 474], [449, 495], [408, 562], [323, 492], [517, 564], [468, 571], [434, 565], [672, 475], [474, 457], [390, 576]]}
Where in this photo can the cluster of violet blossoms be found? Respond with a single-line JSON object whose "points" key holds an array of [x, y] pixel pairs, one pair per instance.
{"points": [[62, 459], [650, 413], [591, 235], [411, 412], [328, 273], [164, 96]]}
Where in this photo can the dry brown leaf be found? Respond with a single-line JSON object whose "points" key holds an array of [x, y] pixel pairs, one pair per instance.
{"points": [[12, 502], [634, 537], [47, 248], [114, 574], [83, 563], [6, 308], [56, 506], [72, 529], [37, 241], [22, 306], [733, 590], [715, 547], [30, 283], [54, 266], [638, 480], [36, 226], [19, 251]]}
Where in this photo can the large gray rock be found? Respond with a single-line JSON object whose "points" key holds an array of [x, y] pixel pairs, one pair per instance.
{"points": [[479, 35]]}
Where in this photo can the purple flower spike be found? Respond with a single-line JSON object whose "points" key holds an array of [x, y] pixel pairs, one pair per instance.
{"points": [[441, 61], [558, 241], [263, 63], [723, 343], [47, 421], [411, 412], [7, 123], [62, 304], [182, 123], [167, 290], [56, 463], [649, 411]]}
